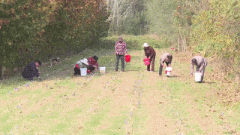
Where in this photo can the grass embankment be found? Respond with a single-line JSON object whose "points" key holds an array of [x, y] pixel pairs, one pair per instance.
{"points": [[132, 102], [105, 50]]}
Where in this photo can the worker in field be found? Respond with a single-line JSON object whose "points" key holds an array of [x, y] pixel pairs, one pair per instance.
{"points": [[120, 50], [200, 63], [165, 58], [91, 64], [150, 54], [31, 70]]}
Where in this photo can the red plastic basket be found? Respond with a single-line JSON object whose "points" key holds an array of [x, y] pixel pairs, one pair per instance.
{"points": [[146, 61], [127, 58]]}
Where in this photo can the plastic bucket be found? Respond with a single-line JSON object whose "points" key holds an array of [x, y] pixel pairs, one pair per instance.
{"points": [[198, 77], [83, 71], [127, 58], [102, 70], [146, 61], [168, 71]]}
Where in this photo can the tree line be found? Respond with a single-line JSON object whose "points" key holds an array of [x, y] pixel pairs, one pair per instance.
{"points": [[39, 29], [208, 27]]}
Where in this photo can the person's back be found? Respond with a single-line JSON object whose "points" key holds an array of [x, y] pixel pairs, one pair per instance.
{"points": [[149, 51], [166, 57], [199, 60], [200, 63], [31, 70]]}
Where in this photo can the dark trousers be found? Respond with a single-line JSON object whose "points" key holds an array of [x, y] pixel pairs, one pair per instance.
{"points": [[91, 68], [161, 67], [29, 75], [122, 57], [152, 62], [76, 71]]}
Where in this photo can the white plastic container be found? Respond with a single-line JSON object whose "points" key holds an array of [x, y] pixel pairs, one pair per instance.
{"points": [[83, 71], [102, 70], [168, 71], [198, 77]]}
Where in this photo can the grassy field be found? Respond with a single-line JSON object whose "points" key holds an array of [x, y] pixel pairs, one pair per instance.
{"points": [[131, 102]]}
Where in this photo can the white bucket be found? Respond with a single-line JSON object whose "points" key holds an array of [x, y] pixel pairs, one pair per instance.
{"points": [[198, 77], [102, 70], [168, 71], [83, 71]]}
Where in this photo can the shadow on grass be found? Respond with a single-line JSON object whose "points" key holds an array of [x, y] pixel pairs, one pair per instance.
{"points": [[208, 82], [173, 76]]}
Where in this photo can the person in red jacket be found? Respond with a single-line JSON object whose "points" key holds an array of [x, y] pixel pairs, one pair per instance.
{"points": [[92, 63]]}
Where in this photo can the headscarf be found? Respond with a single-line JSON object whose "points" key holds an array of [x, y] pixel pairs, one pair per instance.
{"points": [[120, 39], [77, 66]]}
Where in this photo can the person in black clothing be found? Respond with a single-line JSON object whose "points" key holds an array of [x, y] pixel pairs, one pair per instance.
{"points": [[31, 71], [76, 70]]}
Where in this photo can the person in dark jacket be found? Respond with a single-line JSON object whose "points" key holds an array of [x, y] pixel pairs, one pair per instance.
{"points": [[76, 70], [150, 54], [31, 71]]}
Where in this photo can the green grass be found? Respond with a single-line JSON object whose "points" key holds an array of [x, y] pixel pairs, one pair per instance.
{"points": [[49, 102]]}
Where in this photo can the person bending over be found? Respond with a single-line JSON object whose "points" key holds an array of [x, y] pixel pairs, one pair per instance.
{"points": [[200, 63], [167, 58], [150, 54], [31, 71]]}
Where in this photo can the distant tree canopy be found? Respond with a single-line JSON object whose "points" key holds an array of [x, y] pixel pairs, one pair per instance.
{"points": [[127, 17], [209, 27], [33, 29]]}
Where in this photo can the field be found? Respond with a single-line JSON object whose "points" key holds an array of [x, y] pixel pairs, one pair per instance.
{"points": [[131, 102]]}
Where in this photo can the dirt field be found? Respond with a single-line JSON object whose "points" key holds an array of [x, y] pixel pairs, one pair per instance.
{"points": [[131, 102]]}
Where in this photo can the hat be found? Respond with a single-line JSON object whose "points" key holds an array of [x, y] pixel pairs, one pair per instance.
{"points": [[145, 45], [84, 61]]}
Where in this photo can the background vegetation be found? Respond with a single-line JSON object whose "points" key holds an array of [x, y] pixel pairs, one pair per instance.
{"points": [[41, 29], [210, 28], [34, 29]]}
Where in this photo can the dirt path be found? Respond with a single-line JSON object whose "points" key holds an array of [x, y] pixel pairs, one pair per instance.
{"points": [[132, 102]]}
